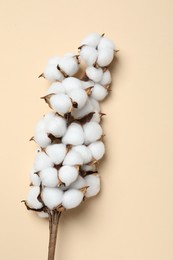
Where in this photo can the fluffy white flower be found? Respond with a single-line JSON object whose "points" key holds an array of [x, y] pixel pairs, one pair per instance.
{"points": [[56, 126], [72, 198], [42, 161], [79, 183], [106, 78], [32, 198], [97, 149], [92, 132], [79, 113], [99, 92], [35, 179], [69, 65], [73, 158], [74, 135], [87, 84], [68, 174], [79, 96], [93, 181], [89, 55], [71, 83], [56, 87], [94, 74], [106, 43], [51, 73], [92, 39], [42, 139], [52, 197], [105, 57], [96, 117], [56, 152], [49, 177], [95, 104], [84, 152], [60, 103]]}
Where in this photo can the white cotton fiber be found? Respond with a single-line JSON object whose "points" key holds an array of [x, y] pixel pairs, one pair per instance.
{"points": [[93, 181], [60, 103], [99, 92], [95, 104], [91, 40], [69, 65], [71, 83], [52, 197], [72, 198], [106, 78], [79, 96], [92, 132], [49, 177], [105, 57], [54, 60], [74, 135], [56, 126], [56, 152], [106, 43], [94, 74], [68, 174], [51, 73], [97, 149], [84, 152], [89, 55], [35, 179], [73, 158], [42, 161], [79, 113], [56, 87], [32, 198], [42, 139], [43, 214], [96, 117], [79, 183]]}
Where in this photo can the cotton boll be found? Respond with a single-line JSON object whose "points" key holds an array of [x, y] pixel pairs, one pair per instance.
{"points": [[106, 43], [79, 113], [35, 179], [99, 92], [84, 152], [69, 65], [106, 78], [54, 60], [56, 152], [71, 83], [56, 126], [73, 158], [88, 167], [87, 84], [56, 87], [32, 198], [48, 117], [60, 103], [51, 73], [52, 197], [79, 96], [96, 117], [74, 135], [92, 39], [43, 214], [42, 161], [49, 177], [97, 149], [79, 183], [94, 74], [68, 174], [72, 198], [105, 57], [42, 139], [95, 104], [89, 55], [93, 181], [92, 132]]}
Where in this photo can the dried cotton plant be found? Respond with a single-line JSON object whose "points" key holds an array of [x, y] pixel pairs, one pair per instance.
{"points": [[70, 137]]}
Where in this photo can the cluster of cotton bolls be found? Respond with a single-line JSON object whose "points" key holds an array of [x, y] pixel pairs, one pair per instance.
{"points": [[70, 137]]}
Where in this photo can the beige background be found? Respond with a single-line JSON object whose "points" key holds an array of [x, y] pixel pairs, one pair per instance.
{"points": [[132, 219]]}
